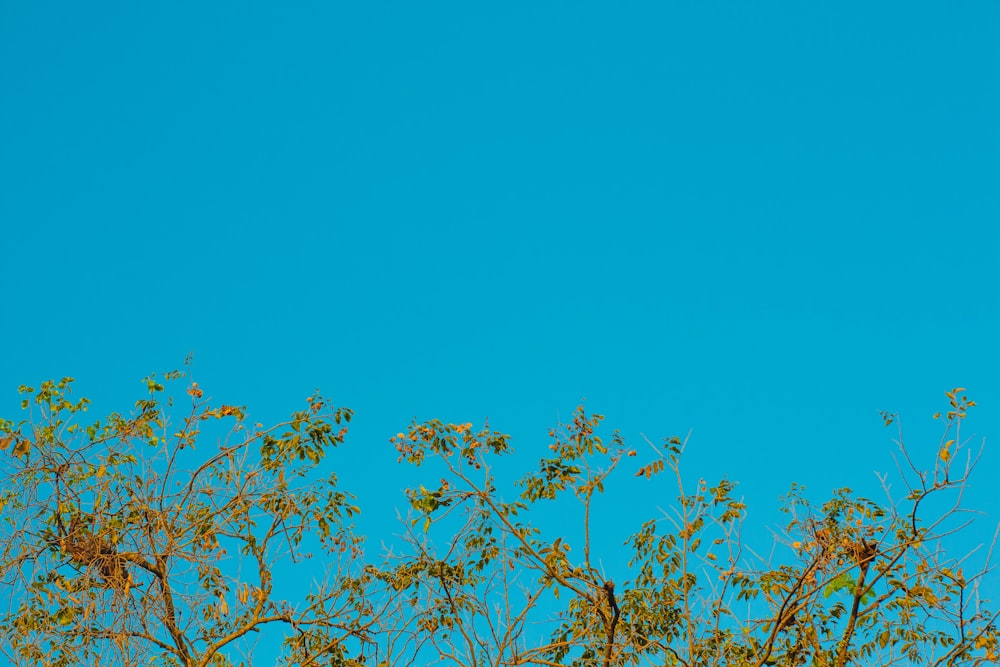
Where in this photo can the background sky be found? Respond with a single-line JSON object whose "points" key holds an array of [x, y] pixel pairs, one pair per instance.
{"points": [[758, 222]]}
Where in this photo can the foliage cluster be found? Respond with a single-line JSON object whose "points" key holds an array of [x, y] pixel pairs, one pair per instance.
{"points": [[142, 540]]}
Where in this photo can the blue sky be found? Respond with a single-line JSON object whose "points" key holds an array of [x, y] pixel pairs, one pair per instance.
{"points": [[760, 222]]}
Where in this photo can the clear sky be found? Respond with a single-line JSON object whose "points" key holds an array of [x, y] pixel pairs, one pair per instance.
{"points": [[760, 222]]}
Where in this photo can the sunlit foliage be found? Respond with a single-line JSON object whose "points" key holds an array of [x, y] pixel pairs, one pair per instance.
{"points": [[138, 539]]}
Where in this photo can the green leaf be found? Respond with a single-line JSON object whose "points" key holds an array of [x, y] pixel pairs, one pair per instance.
{"points": [[840, 582]]}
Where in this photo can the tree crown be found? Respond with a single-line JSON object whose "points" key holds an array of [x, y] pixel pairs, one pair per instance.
{"points": [[139, 539]]}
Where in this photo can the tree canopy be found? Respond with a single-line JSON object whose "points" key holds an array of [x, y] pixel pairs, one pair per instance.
{"points": [[157, 536]]}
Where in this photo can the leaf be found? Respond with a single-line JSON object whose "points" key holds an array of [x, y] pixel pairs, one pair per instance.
{"points": [[651, 469], [839, 582], [21, 448]]}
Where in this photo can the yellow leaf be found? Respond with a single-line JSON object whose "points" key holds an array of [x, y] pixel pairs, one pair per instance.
{"points": [[944, 454], [21, 448]]}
